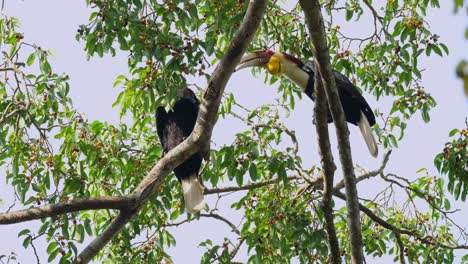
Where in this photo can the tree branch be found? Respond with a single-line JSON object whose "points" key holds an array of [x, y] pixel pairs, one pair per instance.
{"points": [[314, 21], [220, 218], [328, 165], [249, 186], [369, 174], [429, 240], [201, 135], [401, 246], [65, 207]]}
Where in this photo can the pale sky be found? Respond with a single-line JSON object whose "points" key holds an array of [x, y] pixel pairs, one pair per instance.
{"points": [[52, 24]]}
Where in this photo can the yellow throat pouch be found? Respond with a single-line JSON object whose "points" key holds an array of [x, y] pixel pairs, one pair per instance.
{"points": [[274, 66]]}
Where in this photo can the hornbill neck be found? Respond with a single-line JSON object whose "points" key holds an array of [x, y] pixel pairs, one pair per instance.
{"points": [[295, 73]]}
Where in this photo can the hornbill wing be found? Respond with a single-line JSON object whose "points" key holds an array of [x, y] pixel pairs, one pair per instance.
{"points": [[357, 110], [186, 121], [349, 95], [348, 89], [161, 123]]}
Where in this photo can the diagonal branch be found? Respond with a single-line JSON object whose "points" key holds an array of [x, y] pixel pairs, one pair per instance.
{"points": [[201, 135], [314, 21], [65, 207]]}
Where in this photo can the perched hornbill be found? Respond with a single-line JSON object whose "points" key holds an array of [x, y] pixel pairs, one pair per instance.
{"points": [[173, 128], [355, 107]]}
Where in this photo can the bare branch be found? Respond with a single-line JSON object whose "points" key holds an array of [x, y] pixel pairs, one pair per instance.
{"points": [[249, 186], [220, 218], [283, 128], [369, 174], [314, 21], [65, 207], [177, 223], [236, 248], [379, 18]]}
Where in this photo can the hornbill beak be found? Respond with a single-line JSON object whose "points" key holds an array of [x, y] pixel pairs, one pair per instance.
{"points": [[258, 58]]}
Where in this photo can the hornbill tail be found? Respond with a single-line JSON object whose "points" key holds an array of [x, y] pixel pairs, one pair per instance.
{"points": [[193, 194], [366, 132]]}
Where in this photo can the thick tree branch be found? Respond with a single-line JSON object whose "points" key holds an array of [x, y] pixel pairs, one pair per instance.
{"points": [[65, 207], [201, 135], [328, 165], [314, 21]]}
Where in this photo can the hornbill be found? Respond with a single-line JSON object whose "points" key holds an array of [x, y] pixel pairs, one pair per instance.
{"points": [[174, 127], [355, 107]]}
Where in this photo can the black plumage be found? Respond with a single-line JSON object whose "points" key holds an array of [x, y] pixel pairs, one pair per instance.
{"points": [[352, 101], [173, 127]]}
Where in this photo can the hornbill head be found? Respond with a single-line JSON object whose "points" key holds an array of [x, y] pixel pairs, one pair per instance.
{"points": [[268, 59], [276, 63]]}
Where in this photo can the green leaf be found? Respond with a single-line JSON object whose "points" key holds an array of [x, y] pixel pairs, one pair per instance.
{"points": [[349, 14], [393, 140], [437, 50], [253, 172], [175, 214], [444, 47], [31, 59], [53, 255], [80, 233], [87, 226], [51, 247], [446, 204], [239, 179], [404, 34], [24, 232], [45, 67], [453, 132], [282, 172], [27, 241]]}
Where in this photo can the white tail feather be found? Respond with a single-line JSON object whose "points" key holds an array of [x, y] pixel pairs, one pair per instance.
{"points": [[193, 194], [366, 132]]}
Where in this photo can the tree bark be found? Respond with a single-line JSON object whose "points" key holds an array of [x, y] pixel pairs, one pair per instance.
{"points": [[65, 207], [328, 165], [314, 21]]}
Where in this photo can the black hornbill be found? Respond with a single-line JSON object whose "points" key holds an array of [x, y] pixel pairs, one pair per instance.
{"points": [[355, 107], [174, 127]]}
